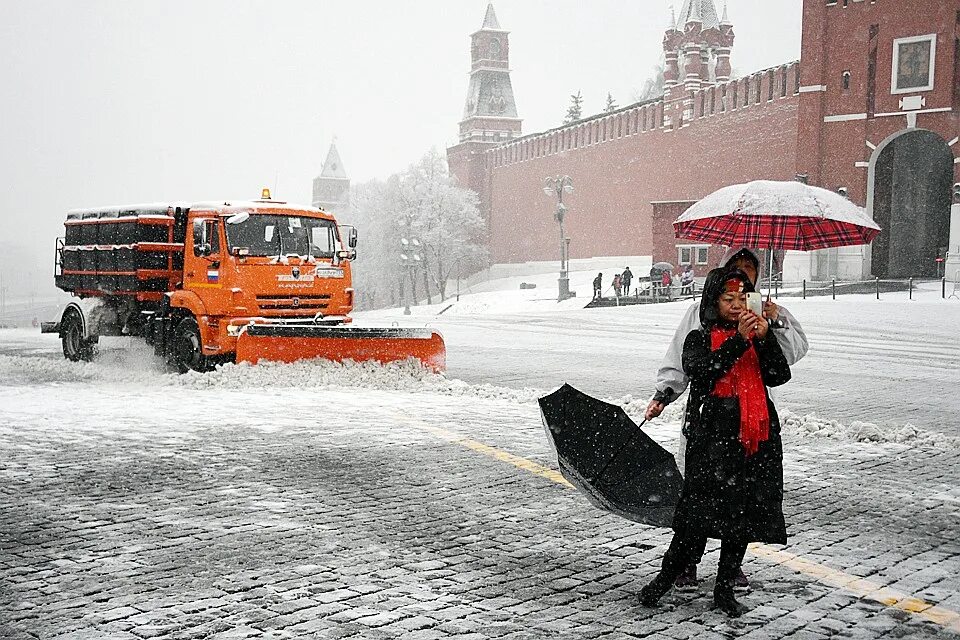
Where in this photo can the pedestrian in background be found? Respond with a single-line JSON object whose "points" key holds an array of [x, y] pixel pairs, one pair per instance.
{"points": [[626, 279], [672, 381], [686, 281], [665, 282], [597, 286], [617, 287], [733, 484]]}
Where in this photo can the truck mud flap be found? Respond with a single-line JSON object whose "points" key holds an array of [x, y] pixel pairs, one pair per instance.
{"points": [[288, 343]]}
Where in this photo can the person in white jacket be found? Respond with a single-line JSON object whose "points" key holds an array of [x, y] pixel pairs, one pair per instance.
{"points": [[672, 381]]}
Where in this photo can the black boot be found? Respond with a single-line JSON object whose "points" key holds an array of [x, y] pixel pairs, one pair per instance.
{"points": [[687, 581], [651, 594], [724, 600]]}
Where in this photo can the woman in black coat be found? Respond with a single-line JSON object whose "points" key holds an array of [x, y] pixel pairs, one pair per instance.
{"points": [[733, 486]]}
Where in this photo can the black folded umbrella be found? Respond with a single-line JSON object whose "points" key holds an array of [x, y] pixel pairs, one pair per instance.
{"points": [[605, 455]]}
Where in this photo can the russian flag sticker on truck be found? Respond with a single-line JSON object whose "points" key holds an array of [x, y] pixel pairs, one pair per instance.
{"points": [[213, 275]]}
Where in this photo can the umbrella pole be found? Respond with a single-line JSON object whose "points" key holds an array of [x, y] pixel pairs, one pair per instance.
{"points": [[770, 273]]}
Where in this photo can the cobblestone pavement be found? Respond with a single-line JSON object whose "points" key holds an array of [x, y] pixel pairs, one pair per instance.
{"points": [[252, 521]]}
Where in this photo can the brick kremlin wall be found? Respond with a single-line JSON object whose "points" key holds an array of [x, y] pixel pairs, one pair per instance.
{"points": [[622, 162]]}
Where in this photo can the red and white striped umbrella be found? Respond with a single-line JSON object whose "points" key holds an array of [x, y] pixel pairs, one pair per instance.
{"points": [[776, 215]]}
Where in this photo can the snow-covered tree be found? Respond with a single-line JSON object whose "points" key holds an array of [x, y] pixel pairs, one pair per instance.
{"points": [[444, 217], [654, 85], [575, 110], [611, 104], [422, 202], [376, 270]]}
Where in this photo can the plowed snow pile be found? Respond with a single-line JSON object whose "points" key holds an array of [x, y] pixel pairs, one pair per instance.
{"points": [[137, 368]]}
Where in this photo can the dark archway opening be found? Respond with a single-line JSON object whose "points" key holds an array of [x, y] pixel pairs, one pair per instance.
{"points": [[911, 201]]}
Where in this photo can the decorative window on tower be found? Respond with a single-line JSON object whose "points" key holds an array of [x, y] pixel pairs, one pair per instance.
{"points": [[494, 49], [913, 63]]}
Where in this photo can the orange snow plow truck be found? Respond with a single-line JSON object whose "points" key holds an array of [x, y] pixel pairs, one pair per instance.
{"points": [[210, 283]]}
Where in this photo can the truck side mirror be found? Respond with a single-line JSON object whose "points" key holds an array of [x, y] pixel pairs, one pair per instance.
{"points": [[204, 238], [352, 239], [199, 238]]}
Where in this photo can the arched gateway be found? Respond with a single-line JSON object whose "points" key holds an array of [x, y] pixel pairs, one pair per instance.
{"points": [[912, 173]]}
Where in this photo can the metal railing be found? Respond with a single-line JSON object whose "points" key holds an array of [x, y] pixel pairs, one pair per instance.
{"points": [[913, 287]]}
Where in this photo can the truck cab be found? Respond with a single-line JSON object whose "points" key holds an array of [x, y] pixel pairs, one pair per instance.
{"points": [[262, 262]]}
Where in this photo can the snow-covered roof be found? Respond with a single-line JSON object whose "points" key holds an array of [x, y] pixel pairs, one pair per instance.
{"points": [[704, 11], [218, 206], [114, 211], [232, 206]]}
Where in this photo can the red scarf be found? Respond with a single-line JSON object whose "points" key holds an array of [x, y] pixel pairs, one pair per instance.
{"points": [[745, 383]]}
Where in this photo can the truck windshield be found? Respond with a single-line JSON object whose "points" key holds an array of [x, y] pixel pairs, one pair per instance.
{"points": [[271, 235]]}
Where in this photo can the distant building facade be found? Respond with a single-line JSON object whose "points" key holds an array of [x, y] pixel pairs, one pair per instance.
{"points": [[872, 108], [331, 189]]}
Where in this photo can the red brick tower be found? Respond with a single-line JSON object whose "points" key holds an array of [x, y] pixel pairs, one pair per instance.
{"points": [[879, 119], [490, 113], [697, 47]]}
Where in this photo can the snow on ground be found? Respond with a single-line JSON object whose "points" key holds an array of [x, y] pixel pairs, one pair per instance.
{"points": [[127, 373], [893, 363], [877, 371]]}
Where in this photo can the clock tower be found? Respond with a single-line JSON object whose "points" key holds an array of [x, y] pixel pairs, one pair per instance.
{"points": [[490, 112]]}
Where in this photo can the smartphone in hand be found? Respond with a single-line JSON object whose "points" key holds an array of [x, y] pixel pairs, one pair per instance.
{"points": [[755, 303]]}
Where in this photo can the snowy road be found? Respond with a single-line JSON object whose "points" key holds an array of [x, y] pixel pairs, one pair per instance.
{"points": [[326, 502], [891, 362]]}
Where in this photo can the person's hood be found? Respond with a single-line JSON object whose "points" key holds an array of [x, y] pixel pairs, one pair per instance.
{"points": [[735, 252]]}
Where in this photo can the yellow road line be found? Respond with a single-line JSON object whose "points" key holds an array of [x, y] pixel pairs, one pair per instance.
{"points": [[497, 454], [860, 587]]}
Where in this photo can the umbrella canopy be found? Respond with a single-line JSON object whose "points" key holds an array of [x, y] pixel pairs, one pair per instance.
{"points": [[657, 270], [776, 215], [605, 455]]}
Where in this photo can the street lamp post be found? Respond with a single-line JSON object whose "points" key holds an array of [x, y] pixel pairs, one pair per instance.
{"points": [[410, 257], [558, 186]]}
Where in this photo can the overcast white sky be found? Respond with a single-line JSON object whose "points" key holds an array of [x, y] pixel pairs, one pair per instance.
{"points": [[108, 102]]}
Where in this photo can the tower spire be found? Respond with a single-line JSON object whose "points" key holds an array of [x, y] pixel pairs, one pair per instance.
{"points": [[490, 19], [331, 189], [333, 166]]}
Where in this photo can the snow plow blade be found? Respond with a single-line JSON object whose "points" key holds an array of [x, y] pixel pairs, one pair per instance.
{"points": [[288, 343]]}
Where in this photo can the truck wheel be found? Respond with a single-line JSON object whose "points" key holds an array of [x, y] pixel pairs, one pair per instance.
{"points": [[75, 346], [187, 348]]}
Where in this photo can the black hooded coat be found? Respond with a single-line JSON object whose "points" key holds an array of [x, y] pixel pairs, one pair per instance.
{"points": [[727, 494]]}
